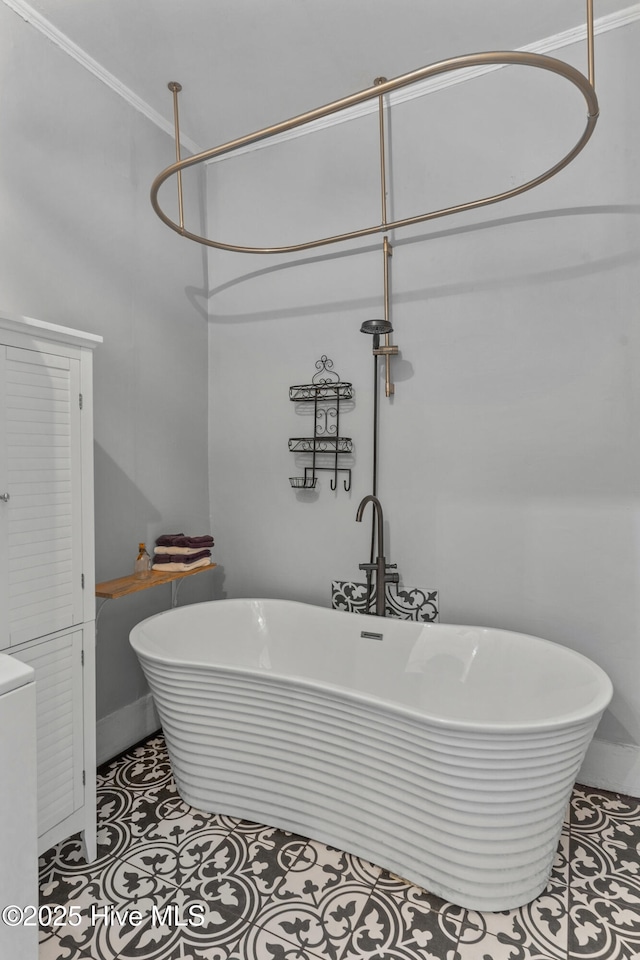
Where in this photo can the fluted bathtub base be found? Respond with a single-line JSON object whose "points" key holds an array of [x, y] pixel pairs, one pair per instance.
{"points": [[465, 892]]}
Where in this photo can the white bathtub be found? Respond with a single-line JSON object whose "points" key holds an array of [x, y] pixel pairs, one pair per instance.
{"points": [[445, 754]]}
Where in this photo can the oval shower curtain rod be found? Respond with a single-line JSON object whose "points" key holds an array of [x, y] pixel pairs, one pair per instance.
{"points": [[585, 84]]}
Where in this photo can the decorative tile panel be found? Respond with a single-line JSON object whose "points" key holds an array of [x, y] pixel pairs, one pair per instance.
{"points": [[406, 603]]}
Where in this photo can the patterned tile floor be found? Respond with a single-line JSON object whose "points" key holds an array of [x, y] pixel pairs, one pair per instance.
{"points": [[173, 883]]}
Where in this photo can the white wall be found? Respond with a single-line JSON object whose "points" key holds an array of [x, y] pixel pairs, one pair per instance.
{"points": [[81, 246], [509, 455]]}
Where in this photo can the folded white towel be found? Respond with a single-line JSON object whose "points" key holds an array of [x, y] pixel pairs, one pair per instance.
{"points": [[182, 551], [174, 567]]}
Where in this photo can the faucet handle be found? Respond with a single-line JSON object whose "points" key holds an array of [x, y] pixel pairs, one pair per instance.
{"points": [[391, 566], [392, 577], [366, 566]]}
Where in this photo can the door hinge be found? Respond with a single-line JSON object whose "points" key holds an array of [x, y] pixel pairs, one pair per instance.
{"points": [[82, 657], [80, 400], [82, 580], [84, 778]]}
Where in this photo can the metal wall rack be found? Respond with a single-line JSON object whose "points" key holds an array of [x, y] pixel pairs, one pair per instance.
{"points": [[323, 398]]}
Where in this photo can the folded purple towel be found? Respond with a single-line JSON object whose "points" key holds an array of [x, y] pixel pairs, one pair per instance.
{"points": [[180, 557], [169, 539], [180, 540]]}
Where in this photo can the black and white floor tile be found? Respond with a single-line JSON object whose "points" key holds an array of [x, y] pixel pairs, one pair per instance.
{"points": [[174, 883]]}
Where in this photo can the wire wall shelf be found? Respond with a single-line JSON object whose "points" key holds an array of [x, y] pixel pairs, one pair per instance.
{"points": [[320, 445], [322, 391], [322, 398]]}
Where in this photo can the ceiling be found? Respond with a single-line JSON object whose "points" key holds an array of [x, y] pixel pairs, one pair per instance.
{"points": [[245, 64]]}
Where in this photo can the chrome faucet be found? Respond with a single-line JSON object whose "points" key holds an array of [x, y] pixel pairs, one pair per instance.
{"points": [[381, 566]]}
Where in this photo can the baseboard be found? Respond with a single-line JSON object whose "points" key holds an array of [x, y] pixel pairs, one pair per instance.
{"points": [[120, 730], [612, 766]]}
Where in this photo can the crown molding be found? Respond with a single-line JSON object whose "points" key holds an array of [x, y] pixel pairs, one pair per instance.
{"points": [[557, 41], [423, 88], [61, 40]]}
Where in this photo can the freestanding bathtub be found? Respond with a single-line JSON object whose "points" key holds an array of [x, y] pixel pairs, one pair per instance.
{"points": [[445, 754]]}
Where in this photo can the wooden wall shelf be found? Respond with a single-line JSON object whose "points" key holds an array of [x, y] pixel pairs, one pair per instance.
{"points": [[123, 586]]}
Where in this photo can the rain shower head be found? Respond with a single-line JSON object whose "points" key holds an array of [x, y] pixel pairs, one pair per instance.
{"points": [[376, 327]]}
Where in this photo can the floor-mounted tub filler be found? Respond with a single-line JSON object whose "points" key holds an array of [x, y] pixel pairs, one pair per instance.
{"points": [[445, 754]]}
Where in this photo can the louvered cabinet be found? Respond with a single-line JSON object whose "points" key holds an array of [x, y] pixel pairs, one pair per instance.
{"points": [[47, 606]]}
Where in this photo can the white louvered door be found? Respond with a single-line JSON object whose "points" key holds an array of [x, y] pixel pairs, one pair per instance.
{"points": [[41, 519], [57, 662]]}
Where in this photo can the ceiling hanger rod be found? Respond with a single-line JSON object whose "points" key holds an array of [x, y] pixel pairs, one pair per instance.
{"points": [[383, 172], [175, 89], [590, 53]]}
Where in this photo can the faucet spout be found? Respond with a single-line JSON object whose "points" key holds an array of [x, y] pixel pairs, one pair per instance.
{"points": [[380, 566], [377, 507]]}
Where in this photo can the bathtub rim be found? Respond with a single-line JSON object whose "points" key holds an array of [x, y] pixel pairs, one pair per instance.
{"points": [[594, 710]]}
